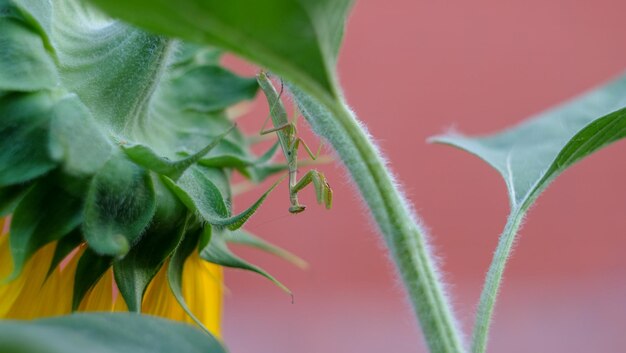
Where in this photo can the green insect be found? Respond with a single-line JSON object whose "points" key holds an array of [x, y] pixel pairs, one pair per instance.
{"points": [[289, 142]]}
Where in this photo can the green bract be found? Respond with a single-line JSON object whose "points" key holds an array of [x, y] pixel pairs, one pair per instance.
{"points": [[116, 137]]}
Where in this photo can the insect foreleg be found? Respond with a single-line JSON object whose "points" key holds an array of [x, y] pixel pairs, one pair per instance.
{"points": [[322, 190]]}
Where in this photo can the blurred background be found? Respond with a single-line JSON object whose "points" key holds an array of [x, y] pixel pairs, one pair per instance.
{"points": [[411, 69]]}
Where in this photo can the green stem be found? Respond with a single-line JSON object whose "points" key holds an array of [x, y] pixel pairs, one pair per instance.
{"points": [[494, 280], [401, 231]]}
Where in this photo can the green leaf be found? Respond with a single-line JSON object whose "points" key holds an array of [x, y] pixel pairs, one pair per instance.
{"points": [[112, 67], [76, 139], [91, 267], [135, 271], [221, 179], [243, 237], [209, 88], [122, 75], [228, 161], [147, 158], [298, 39], [119, 206], [104, 333], [190, 54], [37, 14], [10, 197], [230, 154], [45, 214], [7, 9], [24, 122], [216, 251], [24, 63], [117, 95], [531, 155], [200, 194], [256, 170]]}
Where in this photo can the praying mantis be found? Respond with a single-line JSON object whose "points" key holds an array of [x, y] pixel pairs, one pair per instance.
{"points": [[289, 143]]}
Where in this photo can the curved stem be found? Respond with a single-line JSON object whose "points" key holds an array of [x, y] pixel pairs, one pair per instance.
{"points": [[401, 231], [494, 280]]}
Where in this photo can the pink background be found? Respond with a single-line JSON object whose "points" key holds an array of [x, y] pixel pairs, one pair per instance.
{"points": [[411, 69]]}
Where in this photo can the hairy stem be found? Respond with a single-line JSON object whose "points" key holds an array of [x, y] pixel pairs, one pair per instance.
{"points": [[403, 235], [494, 280]]}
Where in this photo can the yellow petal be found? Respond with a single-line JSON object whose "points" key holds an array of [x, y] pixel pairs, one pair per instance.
{"points": [[202, 289], [10, 291], [119, 304], [26, 289], [160, 301], [32, 296], [100, 297], [55, 296]]}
